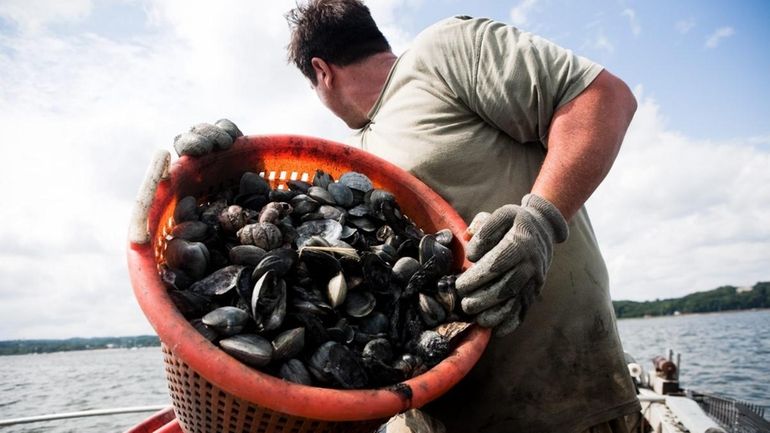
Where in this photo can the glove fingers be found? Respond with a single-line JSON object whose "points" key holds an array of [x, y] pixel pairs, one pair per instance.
{"points": [[510, 324], [491, 232], [478, 221], [498, 292], [500, 259], [495, 315]]}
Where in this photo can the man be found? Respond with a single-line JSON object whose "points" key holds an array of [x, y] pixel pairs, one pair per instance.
{"points": [[489, 117]]}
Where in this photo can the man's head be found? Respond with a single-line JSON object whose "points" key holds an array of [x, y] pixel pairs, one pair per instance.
{"points": [[340, 32]]}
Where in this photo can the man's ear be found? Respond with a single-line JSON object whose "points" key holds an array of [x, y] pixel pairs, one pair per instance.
{"points": [[323, 72]]}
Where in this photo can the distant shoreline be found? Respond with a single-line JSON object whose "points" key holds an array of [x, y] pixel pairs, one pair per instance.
{"points": [[721, 299], [704, 313], [23, 347]]}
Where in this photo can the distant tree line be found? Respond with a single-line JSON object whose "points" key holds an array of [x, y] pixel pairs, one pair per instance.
{"points": [[18, 347], [723, 298]]}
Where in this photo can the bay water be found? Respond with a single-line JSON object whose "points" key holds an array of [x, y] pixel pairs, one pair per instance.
{"points": [[724, 353]]}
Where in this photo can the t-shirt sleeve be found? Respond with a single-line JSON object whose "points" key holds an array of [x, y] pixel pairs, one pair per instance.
{"points": [[519, 80]]}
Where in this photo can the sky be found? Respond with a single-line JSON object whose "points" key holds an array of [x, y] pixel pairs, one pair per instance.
{"points": [[90, 89]]}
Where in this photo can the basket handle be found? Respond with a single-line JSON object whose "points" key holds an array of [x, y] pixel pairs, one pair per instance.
{"points": [[138, 232]]}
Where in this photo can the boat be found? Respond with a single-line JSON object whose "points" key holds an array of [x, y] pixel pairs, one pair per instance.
{"points": [[667, 407]]}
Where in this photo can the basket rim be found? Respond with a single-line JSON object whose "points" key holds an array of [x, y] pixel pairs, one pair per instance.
{"points": [[257, 387]]}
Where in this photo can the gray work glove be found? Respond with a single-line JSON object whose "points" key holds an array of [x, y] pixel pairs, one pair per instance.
{"points": [[512, 251], [205, 137]]}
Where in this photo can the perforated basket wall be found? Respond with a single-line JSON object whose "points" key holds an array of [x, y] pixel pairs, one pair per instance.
{"points": [[202, 407]]}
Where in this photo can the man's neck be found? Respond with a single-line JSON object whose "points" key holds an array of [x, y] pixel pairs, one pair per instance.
{"points": [[367, 78]]}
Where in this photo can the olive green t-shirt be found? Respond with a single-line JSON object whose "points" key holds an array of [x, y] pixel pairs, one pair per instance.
{"points": [[467, 109]]}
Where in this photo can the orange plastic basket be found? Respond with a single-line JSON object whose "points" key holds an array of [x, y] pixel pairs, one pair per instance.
{"points": [[213, 392]]}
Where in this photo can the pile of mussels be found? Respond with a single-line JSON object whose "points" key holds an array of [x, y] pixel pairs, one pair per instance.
{"points": [[324, 283]]}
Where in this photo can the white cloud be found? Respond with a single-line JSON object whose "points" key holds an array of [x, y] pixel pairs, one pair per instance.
{"points": [[684, 26], [677, 215], [33, 15], [80, 118], [636, 28], [715, 38], [520, 12], [602, 43]]}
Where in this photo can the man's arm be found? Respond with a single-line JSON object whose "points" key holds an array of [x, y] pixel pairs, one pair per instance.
{"points": [[583, 141]]}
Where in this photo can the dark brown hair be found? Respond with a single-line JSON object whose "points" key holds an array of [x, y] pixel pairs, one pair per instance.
{"points": [[340, 32]]}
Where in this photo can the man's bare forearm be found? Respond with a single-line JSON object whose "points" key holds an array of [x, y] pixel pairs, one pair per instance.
{"points": [[583, 141]]}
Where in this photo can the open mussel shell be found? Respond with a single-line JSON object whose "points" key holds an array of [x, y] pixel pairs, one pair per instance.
{"points": [[330, 230], [359, 304], [226, 321], [219, 282], [289, 344], [431, 311], [337, 289], [294, 370], [268, 302], [250, 349]]}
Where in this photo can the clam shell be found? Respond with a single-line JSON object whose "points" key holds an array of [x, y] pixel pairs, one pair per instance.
{"points": [[232, 218], [264, 235]]}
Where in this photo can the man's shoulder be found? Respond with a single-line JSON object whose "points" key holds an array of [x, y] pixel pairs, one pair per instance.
{"points": [[451, 30]]}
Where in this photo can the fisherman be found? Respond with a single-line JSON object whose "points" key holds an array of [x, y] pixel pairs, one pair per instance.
{"points": [[496, 120]]}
